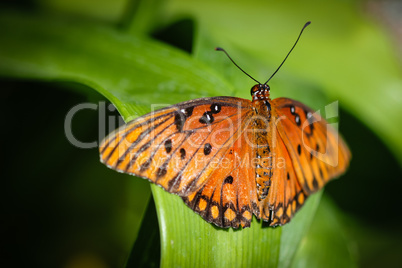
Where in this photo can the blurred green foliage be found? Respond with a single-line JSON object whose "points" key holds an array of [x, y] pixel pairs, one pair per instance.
{"points": [[64, 209]]}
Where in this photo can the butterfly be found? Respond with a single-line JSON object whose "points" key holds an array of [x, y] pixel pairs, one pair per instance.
{"points": [[229, 158]]}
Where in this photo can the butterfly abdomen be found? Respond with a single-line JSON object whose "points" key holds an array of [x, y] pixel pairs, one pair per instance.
{"points": [[262, 158]]}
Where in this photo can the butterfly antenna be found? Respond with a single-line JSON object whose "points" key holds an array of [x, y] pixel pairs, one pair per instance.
{"points": [[305, 25], [221, 49]]}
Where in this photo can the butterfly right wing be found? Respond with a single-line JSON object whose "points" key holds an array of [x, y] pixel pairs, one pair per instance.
{"points": [[175, 147], [286, 195], [317, 151], [299, 172]]}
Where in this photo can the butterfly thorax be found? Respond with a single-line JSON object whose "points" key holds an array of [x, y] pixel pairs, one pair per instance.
{"points": [[261, 124], [261, 101]]}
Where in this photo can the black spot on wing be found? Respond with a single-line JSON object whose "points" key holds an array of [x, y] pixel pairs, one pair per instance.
{"points": [[181, 117], [215, 108], [188, 111], [228, 179], [168, 145], [182, 153], [207, 148], [207, 118], [179, 120], [297, 120], [292, 109]]}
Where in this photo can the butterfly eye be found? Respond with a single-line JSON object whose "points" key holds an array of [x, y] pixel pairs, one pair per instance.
{"points": [[254, 89]]}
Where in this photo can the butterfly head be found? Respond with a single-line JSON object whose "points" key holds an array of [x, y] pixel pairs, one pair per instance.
{"points": [[260, 92]]}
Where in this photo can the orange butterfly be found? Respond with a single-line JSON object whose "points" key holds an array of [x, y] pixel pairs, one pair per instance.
{"points": [[230, 158]]}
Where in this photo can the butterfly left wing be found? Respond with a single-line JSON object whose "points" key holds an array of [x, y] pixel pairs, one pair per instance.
{"points": [[175, 147]]}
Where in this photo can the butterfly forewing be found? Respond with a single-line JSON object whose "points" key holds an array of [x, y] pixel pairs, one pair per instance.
{"points": [[177, 147]]}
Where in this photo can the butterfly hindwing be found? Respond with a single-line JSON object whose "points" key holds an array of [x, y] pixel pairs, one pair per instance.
{"points": [[229, 198], [285, 195]]}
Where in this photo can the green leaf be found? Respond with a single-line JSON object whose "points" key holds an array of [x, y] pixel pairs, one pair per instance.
{"points": [[326, 243], [104, 10], [293, 232]]}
